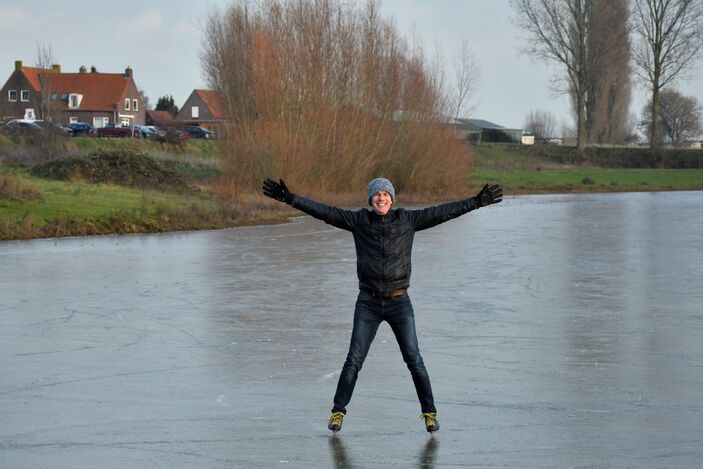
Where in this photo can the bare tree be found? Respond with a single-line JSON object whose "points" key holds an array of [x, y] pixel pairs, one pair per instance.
{"points": [[680, 117], [542, 125], [466, 80], [44, 60], [609, 83], [327, 92], [145, 100], [668, 38], [558, 31]]}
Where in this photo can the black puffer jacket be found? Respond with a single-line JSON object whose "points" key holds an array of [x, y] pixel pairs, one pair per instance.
{"points": [[384, 243]]}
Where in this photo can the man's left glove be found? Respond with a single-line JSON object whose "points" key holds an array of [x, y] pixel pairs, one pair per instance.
{"points": [[490, 195], [277, 190]]}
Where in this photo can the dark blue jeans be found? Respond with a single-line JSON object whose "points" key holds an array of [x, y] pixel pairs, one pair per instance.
{"points": [[369, 312]]}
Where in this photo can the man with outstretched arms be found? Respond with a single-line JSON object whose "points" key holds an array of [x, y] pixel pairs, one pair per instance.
{"points": [[383, 239]]}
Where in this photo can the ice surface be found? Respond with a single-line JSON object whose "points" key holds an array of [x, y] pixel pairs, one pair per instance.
{"points": [[558, 331]]}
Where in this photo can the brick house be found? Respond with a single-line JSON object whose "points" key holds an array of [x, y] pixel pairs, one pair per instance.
{"points": [[204, 108], [21, 97], [97, 98]]}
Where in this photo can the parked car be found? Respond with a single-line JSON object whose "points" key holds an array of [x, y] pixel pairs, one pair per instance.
{"points": [[54, 126], [119, 132], [81, 128], [168, 134], [196, 131], [145, 130], [23, 126]]}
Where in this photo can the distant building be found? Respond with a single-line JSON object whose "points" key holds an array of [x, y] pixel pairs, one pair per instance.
{"points": [[482, 131], [96, 98], [204, 108], [528, 138], [159, 118]]}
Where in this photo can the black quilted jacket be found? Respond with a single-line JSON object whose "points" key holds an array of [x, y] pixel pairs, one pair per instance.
{"points": [[384, 243]]}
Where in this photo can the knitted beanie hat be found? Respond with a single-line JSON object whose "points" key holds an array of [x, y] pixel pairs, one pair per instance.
{"points": [[381, 184]]}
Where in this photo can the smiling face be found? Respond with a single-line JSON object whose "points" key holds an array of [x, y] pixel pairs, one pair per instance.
{"points": [[381, 202]]}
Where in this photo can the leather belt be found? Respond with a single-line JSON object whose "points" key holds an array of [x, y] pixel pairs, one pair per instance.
{"points": [[384, 294]]}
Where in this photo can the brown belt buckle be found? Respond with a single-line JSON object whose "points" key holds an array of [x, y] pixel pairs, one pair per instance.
{"points": [[384, 295]]}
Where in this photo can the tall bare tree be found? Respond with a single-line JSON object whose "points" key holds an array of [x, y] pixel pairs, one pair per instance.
{"points": [[44, 59], [609, 82], [558, 31], [668, 38], [466, 80]]}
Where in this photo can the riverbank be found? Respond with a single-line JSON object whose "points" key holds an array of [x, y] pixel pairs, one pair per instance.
{"points": [[35, 207]]}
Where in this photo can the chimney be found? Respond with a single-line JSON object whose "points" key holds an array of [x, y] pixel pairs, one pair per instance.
{"points": [[128, 72], [93, 69], [83, 69], [18, 65], [56, 68]]}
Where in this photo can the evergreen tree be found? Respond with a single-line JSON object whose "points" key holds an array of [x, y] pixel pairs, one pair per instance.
{"points": [[166, 103]]}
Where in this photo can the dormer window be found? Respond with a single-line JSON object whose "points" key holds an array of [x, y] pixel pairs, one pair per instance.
{"points": [[24, 96], [12, 96], [127, 104], [74, 100]]}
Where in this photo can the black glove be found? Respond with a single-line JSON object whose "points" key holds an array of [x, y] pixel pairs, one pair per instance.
{"points": [[489, 195], [277, 190]]}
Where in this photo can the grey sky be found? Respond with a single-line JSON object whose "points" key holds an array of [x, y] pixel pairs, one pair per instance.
{"points": [[161, 40]]}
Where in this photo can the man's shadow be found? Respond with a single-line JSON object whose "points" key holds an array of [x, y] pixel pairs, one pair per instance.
{"points": [[426, 458], [339, 453]]}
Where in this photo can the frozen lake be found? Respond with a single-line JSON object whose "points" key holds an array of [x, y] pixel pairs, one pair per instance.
{"points": [[558, 331]]}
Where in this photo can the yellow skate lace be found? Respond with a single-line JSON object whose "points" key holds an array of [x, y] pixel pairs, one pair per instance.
{"points": [[429, 417], [336, 418]]}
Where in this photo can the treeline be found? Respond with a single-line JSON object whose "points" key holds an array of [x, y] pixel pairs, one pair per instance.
{"points": [[598, 45], [328, 95]]}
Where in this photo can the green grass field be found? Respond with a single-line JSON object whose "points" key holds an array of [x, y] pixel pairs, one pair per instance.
{"points": [[34, 206], [526, 181]]}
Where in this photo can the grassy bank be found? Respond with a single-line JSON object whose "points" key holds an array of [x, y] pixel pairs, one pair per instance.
{"points": [[551, 169], [546, 181], [32, 206]]}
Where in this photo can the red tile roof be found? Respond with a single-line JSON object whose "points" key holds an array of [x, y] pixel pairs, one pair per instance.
{"points": [[101, 91], [32, 74], [213, 100]]}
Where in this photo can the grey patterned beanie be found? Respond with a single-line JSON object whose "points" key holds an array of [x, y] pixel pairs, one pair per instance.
{"points": [[380, 184]]}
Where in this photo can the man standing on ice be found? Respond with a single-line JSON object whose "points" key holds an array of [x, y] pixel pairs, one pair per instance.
{"points": [[383, 239]]}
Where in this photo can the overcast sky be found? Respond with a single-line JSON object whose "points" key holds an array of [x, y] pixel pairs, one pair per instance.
{"points": [[161, 41]]}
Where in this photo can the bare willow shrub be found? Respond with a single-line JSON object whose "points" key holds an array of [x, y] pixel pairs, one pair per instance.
{"points": [[327, 95]]}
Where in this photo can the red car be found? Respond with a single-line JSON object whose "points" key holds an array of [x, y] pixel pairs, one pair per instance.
{"points": [[119, 132]]}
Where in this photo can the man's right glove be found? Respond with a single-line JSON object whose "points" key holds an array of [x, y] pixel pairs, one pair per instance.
{"points": [[489, 195], [277, 190]]}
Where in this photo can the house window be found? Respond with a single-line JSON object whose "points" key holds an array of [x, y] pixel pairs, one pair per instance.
{"points": [[125, 122], [24, 96], [194, 112], [127, 104], [73, 101], [73, 120], [135, 105], [12, 96]]}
